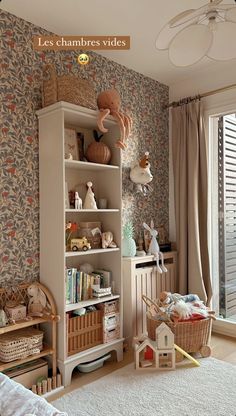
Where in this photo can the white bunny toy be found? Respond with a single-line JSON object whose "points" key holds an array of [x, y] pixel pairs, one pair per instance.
{"points": [[154, 248], [38, 304]]}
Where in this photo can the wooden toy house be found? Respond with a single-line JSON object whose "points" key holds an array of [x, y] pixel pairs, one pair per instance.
{"points": [[165, 351], [158, 354]]}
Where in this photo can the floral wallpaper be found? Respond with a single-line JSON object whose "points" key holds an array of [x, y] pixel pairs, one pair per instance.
{"points": [[21, 81]]}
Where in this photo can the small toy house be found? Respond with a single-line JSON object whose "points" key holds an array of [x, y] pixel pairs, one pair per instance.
{"points": [[165, 351], [145, 354], [158, 354]]}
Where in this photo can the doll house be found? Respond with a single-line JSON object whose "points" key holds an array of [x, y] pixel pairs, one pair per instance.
{"points": [[158, 354]]}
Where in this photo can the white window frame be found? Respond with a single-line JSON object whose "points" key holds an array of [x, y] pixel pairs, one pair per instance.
{"points": [[220, 326]]}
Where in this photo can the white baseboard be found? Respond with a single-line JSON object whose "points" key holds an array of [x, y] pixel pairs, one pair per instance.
{"points": [[52, 392], [224, 327]]}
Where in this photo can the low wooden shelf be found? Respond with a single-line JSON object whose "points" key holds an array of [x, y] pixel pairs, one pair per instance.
{"points": [[20, 294], [24, 324], [46, 351]]}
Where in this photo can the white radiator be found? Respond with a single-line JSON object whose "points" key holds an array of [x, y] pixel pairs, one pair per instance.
{"points": [[140, 277]]}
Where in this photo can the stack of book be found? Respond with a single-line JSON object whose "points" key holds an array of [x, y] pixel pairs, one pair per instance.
{"points": [[83, 286]]}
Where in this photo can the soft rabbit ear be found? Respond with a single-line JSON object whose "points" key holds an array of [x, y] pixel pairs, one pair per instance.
{"points": [[146, 226]]}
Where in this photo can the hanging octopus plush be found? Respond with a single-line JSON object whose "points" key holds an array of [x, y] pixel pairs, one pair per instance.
{"points": [[109, 103]]}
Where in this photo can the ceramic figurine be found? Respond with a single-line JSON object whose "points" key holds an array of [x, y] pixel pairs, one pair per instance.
{"points": [[89, 202], [78, 201], [128, 243], [107, 240]]}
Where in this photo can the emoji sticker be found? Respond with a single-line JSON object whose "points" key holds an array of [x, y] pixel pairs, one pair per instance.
{"points": [[83, 59]]}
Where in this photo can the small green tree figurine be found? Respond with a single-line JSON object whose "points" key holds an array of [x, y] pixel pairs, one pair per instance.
{"points": [[128, 243]]}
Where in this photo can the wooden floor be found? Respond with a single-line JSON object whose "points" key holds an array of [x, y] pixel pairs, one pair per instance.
{"points": [[223, 348]]}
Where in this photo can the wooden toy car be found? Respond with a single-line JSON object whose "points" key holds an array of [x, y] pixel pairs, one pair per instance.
{"points": [[78, 244]]}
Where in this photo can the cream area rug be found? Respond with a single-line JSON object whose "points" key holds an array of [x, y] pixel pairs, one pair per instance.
{"points": [[208, 390]]}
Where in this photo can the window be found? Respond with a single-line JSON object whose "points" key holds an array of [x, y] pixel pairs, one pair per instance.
{"points": [[222, 198], [227, 215]]}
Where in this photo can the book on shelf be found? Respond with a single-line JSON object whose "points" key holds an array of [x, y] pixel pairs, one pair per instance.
{"points": [[99, 293], [81, 286], [105, 276], [71, 285]]}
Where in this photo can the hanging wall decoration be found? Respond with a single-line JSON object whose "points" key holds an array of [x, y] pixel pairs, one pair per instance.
{"points": [[140, 174]]}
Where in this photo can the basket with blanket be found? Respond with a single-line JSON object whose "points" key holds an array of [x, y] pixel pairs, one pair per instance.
{"points": [[188, 318]]}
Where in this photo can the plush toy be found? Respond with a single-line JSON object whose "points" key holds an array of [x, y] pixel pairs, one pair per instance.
{"points": [[154, 248], [86, 268], [37, 301], [181, 311], [109, 103], [89, 202], [3, 318], [107, 240], [167, 297], [141, 175]]}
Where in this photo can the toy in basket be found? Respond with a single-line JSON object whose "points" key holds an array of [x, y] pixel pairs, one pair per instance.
{"points": [[187, 317]]}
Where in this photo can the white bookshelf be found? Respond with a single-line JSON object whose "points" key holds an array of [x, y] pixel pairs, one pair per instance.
{"points": [[54, 172], [94, 301], [89, 252], [97, 211]]}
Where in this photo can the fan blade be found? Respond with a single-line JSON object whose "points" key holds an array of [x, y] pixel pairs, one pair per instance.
{"points": [[222, 47], [167, 33], [190, 45], [229, 12], [165, 36], [215, 2], [183, 18], [230, 15], [226, 7]]}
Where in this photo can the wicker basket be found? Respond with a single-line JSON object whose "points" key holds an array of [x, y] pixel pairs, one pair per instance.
{"points": [[67, 88], [191, 336], [20, 344], [84, 331]]}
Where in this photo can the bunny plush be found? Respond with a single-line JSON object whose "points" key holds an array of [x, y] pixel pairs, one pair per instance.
{"points": [[154, 248], [37, 301]]}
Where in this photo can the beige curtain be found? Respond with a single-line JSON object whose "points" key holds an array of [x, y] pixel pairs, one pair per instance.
{"points": [[191, 187]]}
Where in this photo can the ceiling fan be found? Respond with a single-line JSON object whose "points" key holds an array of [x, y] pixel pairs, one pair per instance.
{"points": [[207, 31]]}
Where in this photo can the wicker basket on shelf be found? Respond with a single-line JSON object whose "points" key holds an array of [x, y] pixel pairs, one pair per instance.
{"points": [[191, 336], [20, 344], [67, 88]]}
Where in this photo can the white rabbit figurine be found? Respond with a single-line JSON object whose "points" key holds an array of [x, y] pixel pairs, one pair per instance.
{"points": [[154, 248]]}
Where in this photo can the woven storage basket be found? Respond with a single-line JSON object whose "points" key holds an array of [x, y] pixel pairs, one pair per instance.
{"points": [[20, 344], [191, 336], [67, 88], [84, 332]]}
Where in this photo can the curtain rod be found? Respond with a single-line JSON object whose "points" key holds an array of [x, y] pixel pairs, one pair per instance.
{"points": [[206, 94]]}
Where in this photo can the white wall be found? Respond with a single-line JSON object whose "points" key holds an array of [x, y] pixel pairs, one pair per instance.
{"points": [[203, 81]]}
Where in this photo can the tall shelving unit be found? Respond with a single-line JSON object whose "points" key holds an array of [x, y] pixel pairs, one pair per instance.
{"points": [[55, 171]]}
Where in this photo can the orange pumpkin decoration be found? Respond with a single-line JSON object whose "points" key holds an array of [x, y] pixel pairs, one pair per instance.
{"points": [[97, 151]]}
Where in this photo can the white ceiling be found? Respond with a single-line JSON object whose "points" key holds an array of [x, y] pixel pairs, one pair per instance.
{"points": [[141, 19]]}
